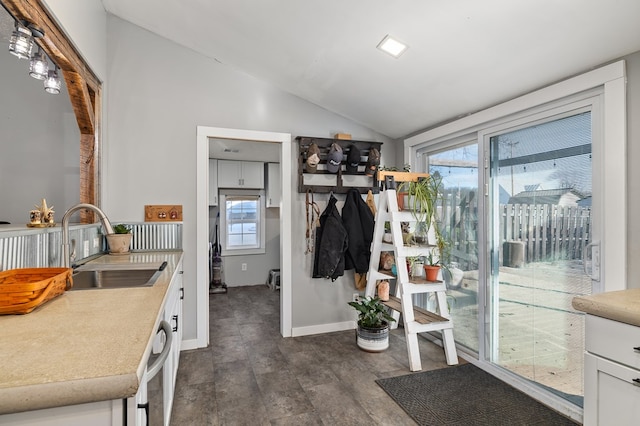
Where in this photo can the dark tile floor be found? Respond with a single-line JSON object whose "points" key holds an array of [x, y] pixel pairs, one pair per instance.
{"points": [[250, 375]]}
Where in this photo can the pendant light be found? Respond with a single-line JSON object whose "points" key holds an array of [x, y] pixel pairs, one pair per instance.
{"points": [[21, 42], [52, 84], [39, 66]]}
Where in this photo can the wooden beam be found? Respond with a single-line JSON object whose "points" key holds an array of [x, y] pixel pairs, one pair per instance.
{"points": [[81, 102]]}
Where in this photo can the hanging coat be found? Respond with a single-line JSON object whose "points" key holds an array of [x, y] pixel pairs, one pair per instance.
{"points": [[331, 244], [358, 221]]}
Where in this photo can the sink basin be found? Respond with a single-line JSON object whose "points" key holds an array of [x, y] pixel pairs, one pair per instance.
{"points": [[121, 278]]}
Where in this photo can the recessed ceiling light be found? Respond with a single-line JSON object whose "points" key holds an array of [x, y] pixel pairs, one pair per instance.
{"points": [[392, 46]]}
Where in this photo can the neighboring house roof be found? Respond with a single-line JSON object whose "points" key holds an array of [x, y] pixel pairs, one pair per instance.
{"points": [[563, 196]]}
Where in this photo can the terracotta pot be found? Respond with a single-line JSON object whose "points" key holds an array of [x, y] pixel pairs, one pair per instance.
{"points": [[431, 272]]}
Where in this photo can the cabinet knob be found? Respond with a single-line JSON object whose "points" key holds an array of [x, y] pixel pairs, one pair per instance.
{"points": [[636, 382], [637, 348]]}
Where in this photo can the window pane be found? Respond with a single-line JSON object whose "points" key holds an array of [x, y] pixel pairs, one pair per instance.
{"points": [[242, 222], [458, 220]]}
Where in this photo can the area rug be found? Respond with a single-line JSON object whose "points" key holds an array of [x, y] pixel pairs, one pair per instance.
{"points": [[466, 395]]}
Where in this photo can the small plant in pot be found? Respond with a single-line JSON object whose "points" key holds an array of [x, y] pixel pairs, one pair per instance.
{"points": [[372, 334], [431, 267], [120, 241]]}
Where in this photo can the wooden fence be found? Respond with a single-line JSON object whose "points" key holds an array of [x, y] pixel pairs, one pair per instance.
{"points": [[549, 232]]}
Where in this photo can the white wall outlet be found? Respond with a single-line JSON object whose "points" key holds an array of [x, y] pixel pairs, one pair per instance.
{"points": [[244, 266], [96, 242], [355, 297], [85, 248]]}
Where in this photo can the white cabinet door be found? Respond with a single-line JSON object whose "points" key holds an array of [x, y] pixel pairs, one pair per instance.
{"points": [[229, 174], [240, 174], [611, 394], [213, 182], [252, 174], [173, 315], [103, 413], [274, 190]]}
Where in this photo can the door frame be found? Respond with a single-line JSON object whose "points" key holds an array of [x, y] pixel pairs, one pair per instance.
{"points": [[202, 222], [611, 79]]}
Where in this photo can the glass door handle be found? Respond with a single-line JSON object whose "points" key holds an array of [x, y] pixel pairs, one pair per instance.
{"points": [[591, 257]]}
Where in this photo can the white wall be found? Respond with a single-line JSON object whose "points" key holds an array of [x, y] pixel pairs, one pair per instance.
{"points": [[85, 22], [158, 92]]}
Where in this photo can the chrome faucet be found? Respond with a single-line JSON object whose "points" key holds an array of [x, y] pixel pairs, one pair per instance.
{"points": [[108, 229]]}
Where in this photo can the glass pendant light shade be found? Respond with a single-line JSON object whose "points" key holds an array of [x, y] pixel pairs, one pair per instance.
{"points": [[52, 84], [20, 43], [39, 66]]}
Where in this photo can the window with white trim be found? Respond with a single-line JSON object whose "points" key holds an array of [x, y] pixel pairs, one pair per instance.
{"points": [[242, 222]]}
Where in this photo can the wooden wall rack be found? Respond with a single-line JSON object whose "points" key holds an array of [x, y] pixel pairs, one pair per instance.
{"points": [[322, 181]]}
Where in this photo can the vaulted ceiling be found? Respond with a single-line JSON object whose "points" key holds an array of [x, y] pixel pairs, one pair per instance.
{"points": [[463, 55]]}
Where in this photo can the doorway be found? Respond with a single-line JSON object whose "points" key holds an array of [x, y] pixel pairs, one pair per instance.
{"points": [[202, 221]]}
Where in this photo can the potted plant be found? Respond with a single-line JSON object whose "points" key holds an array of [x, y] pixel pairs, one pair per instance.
{"points": [[119, 242], [372, 333], [415, 265], [422, 198], [431, 267], [387, 237]]}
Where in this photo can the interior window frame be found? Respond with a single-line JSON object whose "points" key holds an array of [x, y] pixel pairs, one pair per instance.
{"points": [[250, 195]]}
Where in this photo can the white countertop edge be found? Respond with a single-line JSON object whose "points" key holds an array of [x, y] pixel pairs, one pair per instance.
{"points": [[622, 306], [37, 397]]}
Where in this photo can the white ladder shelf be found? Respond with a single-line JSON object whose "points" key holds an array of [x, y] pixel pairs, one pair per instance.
{"points": [[415, 320]]}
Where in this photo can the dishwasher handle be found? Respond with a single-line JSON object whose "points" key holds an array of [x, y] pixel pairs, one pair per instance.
{"points": [[157, 364]]}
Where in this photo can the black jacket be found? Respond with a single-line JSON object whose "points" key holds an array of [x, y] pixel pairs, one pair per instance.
{"points": [[358, 220], [331, 243]]}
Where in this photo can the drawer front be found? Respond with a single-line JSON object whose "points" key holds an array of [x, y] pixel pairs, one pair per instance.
{"points": [[611, 393], [613, 340]]}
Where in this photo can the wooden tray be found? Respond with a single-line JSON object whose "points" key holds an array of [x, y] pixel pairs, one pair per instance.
{"points": [[23, 290]]}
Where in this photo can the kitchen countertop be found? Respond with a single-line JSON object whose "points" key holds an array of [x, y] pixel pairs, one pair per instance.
{"points": [[622, 306], [85, 345]]}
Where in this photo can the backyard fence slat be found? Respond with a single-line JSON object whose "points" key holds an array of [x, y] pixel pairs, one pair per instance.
{"points": [[549, 232]]}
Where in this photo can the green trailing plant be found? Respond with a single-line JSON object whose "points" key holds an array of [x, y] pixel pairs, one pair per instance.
{"points": [[372, 313], [122, 229]]}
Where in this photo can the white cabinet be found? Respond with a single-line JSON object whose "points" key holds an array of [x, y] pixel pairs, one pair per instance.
{"points": [[240, 174], [274, 190], [161, 405], [213, 182], [103, 413], [136, 408], [612, 373], [173, 315]]}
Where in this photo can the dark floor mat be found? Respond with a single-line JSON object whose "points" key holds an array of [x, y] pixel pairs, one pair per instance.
{"points": [[466, 395]]}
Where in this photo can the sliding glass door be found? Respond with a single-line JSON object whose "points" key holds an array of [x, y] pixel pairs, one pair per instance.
{"points": [[458, 219], [540, 230]]}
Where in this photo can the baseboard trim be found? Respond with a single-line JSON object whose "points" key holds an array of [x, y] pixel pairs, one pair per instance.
{"points": [[323, 328], [190, 344]]}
